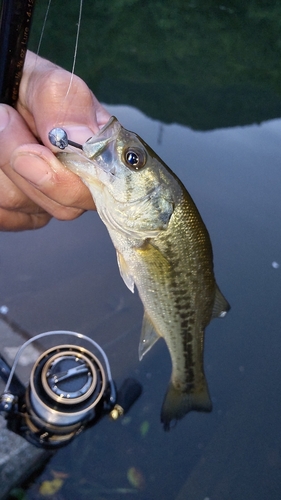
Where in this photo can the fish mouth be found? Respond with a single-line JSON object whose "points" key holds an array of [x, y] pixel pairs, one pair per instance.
{"points": [[94, 146], [97, 151]]}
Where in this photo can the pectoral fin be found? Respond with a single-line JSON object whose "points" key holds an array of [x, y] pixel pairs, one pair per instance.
{"points": [[148, 336], [221, 306], [125, 273]]}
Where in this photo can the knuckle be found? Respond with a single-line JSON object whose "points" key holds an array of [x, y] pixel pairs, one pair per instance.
{"points": [[11, 199], [66, 213]]}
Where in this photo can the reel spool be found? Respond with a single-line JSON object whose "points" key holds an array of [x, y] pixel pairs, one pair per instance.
{"points": [[66, 385], [69, 387]]}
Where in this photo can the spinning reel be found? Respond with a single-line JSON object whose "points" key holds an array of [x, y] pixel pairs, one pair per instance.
{"points": [[70, 388]]}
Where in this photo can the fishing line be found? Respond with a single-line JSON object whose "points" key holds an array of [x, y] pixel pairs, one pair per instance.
{"points": [[43, 27], [59, 119], [59, 115], [76, 46], [42, 34]]}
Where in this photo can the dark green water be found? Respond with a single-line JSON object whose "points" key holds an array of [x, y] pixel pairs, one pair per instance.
{"points": [[200, 82]]}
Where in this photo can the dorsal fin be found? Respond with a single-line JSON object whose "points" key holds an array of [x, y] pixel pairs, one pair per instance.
{"points": [[221, 306], [148, 336]]}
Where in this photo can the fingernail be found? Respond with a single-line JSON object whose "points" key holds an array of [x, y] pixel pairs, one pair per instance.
{"points": [[4, 117], [32, 168], [78, 133]]}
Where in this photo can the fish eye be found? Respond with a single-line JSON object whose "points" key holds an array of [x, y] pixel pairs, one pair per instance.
{"points": [[135, 158]]}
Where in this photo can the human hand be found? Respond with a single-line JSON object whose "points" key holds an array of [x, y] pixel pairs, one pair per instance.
{"points": [[34, 185]]}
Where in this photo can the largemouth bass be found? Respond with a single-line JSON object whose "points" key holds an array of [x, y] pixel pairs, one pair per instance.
{"points": [[163, 248]]}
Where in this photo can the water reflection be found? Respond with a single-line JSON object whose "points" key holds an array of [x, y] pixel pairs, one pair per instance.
{"points": [[65, 277], [205, 64]]}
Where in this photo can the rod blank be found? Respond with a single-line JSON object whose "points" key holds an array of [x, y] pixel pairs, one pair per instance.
{"points": [[15, 24]]}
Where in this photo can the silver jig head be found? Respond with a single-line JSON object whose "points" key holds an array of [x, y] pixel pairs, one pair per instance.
{"points": [[58, 137]]}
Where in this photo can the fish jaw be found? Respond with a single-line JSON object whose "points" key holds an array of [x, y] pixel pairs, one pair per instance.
{"points": [[95, 144], [90, 164]]}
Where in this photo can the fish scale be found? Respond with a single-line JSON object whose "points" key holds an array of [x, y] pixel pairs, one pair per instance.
{"points": [[163, 248]]}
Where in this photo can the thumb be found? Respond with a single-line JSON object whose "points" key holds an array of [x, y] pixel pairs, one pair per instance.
{"points": [[52, 97], [36, 172]]}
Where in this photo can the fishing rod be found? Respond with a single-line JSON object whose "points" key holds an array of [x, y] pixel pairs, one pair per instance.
{"points": [[15, 24]]}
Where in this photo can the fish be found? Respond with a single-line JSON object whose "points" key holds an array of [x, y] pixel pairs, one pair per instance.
{"points": [[163, 249]]}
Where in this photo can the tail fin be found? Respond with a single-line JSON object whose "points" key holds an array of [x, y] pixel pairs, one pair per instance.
{"points": [[177, 404]]}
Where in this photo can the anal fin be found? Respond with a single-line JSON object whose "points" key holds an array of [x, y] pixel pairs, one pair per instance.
{"points": [[148, 336], [221, 306]]}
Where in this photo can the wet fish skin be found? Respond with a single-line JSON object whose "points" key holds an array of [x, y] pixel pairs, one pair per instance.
{"points": [[163, 247]]}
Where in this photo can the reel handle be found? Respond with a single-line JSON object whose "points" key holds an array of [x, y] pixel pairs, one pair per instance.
{"points": [[129, 392]]}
